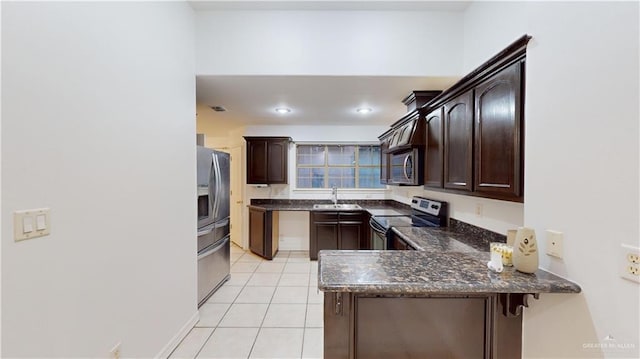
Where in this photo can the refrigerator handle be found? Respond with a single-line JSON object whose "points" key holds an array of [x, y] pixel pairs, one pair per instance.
{"points": [[218, 186], [214, 186], [214, 249]]}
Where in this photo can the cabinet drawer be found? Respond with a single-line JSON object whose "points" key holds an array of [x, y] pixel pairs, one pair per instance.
{"points": [[352, 217], [331, 217]]}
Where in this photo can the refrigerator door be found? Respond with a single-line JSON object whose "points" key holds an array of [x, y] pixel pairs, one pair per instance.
{"points": [[212, 233], [206, 193], [213, 269], [220, 181]]}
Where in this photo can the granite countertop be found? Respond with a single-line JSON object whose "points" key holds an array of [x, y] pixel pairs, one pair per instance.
{"points": [[375, 207], [442, 239], [446, 262]]}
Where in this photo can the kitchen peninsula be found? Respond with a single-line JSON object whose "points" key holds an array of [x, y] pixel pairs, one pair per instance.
{"points": [[437, 301]]}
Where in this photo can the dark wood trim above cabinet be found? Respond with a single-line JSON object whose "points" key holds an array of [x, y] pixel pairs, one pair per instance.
{"points": [[417, 99], [512, 53]]}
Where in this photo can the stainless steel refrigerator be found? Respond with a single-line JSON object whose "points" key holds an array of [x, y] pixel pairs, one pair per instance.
{"points": [[214, 246]]}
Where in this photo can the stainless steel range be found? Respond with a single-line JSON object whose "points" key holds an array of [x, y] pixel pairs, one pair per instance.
{"points": [[424, 213]]}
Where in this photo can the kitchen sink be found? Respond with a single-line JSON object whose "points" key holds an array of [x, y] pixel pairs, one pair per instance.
{"points": [[341, 206]]}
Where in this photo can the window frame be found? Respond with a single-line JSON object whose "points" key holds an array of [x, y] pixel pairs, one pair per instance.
{"points": [[326, 167]]}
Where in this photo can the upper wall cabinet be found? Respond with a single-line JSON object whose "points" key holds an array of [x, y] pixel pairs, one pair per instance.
{"points": [[402, 146], [267, 160], [475, 130], [498, 133]]}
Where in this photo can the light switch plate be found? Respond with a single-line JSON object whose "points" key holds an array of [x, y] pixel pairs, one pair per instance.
{"points": [[32, 223]]}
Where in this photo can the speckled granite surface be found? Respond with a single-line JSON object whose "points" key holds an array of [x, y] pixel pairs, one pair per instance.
{"points": [[442, 239], [425, 272], [307, 205]]}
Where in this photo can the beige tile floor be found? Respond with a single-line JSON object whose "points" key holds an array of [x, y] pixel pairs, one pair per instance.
{"points": [[269, 309]]}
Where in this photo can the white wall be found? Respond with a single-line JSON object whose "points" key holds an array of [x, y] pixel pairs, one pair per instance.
{"points": [[398, 43], [581, 158], [98, 124]]}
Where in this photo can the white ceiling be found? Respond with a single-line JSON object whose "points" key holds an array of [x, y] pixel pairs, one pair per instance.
{"points": [[418, 5], [313, 100]]}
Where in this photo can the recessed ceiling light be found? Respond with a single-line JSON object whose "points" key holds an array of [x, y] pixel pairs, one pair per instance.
{"points": [[283, 110], [364, 110]]}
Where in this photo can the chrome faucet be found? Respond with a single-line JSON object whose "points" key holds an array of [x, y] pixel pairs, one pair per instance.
{"points": [[334, 195]]}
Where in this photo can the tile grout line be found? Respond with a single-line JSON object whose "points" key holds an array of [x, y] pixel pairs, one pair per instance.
{"points": [[215, 328], [265, 313], [229, 308], [304, 331], [226, 311], [281, 273]]}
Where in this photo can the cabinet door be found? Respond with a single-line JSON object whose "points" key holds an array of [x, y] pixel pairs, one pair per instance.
{"points": [[257, 161], [277, 156], [351, 231], [434, 154], [327, 236], [257, 231], [399, 244], [384, 161], [458, 142], [498, 129], [323, 232], [350, 234], [403, 328]]}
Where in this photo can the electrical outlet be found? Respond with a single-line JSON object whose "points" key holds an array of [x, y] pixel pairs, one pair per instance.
{"points": [[114, 353], [555, 243], [630, 269], [478, 210]]}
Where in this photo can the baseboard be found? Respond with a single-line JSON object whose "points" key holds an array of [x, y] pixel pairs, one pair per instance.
{"points": [[173, 343]]}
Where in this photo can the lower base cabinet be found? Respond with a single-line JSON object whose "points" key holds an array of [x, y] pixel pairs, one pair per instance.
{"points": [[398, 243], [263, 232], [337, 230], [380, 326]]}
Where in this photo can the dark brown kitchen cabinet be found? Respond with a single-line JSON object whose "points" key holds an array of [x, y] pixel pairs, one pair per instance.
{"points": [[400, 244], [434, 152], [337, 230], [469, 325], [323, 232], [385, 141], [263, 232], [498, 133], [458, 142], [267, 160]]}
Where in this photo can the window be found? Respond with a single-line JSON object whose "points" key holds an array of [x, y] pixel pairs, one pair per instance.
{"points": [[342, 166]]}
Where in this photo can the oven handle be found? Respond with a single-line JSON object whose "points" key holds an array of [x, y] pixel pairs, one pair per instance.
{"points": [[375, 227], [404, 167]]}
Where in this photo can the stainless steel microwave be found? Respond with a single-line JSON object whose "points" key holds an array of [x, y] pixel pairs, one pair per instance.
{"points": [[406, 167]]}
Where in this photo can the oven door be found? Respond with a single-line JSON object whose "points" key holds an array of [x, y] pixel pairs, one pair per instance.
{"points": [[378, 235]]}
